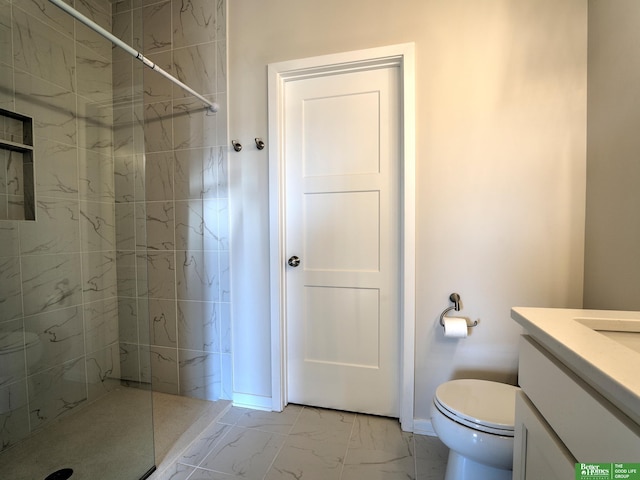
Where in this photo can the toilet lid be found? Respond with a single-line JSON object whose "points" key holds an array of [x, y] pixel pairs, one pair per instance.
{"points": [[478, 404]]}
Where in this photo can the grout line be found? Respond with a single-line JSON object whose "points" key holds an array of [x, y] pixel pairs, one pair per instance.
{"points": [[161, 470], [266, 473], [296, 420], [198, 468], [346, 452], [415, 456], [286, 435]]}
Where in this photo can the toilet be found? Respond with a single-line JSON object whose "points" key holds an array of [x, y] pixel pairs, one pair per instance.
{"points": [[475, 419]]}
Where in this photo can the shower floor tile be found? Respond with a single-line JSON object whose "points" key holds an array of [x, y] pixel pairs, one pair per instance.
{"points": [[88, 441], [112, 438]]}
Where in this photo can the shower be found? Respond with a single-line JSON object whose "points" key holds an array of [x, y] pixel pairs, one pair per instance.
{"points": [[116, 284]]}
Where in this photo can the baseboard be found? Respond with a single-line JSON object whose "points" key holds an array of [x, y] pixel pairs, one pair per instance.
{"points": [[423, 426], [255, 402]]}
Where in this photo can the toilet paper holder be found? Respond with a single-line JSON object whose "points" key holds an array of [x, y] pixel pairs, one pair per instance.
{"points": [[455, 299]]}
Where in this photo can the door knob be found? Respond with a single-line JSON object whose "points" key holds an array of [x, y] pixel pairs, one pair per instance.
{"points": [[294, 261]]}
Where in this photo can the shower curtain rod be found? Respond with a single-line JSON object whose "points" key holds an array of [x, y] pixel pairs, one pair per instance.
{"points": [[131, 51]]}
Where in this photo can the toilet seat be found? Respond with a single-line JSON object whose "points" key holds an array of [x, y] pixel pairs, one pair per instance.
{"points": [[479, 404]]}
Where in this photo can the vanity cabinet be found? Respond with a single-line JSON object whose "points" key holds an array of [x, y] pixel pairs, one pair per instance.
{"points": [[538, 452], [562, 420]]}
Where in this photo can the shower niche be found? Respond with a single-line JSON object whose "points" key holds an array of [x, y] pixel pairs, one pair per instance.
{"points": [[17, 200]]}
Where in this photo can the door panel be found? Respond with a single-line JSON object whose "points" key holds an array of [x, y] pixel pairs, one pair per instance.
{"points": [[339, 127], [352, 242], [341, 158], [334, 318]]}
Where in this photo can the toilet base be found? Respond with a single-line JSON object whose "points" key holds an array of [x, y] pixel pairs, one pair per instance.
{"points": [[462, 468]]}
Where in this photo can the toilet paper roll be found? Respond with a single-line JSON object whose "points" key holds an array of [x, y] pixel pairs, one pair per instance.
{"points": [[455, 327]]}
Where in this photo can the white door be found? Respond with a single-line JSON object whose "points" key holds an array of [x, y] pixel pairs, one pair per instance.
{"points": [[341, 179]]}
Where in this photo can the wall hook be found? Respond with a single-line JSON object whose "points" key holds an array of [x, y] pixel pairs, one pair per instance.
{"points": [[259, 143], [236, 145]]}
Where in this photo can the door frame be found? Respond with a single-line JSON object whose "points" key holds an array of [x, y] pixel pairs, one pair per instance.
{"points": [[402, 56]]}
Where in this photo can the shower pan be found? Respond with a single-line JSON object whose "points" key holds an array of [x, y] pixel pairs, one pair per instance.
{"points": [[75, 395]]}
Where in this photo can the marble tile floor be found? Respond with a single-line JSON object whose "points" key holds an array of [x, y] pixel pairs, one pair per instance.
{"points": [[305, 443]]}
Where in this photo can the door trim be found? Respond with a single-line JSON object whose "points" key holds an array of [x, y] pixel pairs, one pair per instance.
{"points": [[279, 74]]}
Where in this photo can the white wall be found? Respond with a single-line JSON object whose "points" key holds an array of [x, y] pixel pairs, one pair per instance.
{"points": [[612, 243], [501, 125]]}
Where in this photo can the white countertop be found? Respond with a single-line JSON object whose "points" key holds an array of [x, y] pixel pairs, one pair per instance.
{"points": [[610, 367]]}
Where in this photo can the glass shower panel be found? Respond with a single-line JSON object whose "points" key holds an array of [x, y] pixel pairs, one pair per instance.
{"points": [[75, 396]]}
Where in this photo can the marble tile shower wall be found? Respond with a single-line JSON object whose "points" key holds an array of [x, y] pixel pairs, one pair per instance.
{"points": [[58, 289], [186, 204]]}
